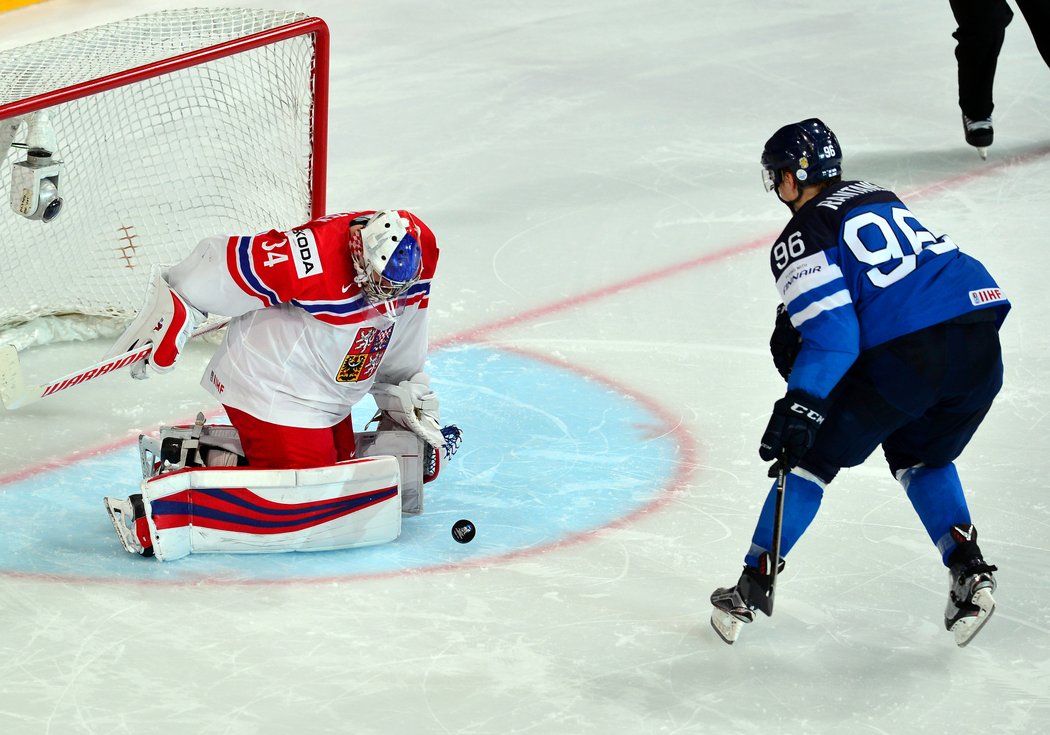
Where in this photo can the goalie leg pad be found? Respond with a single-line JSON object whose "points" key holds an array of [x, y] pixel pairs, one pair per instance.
{"points": [[410, 452], [242, 510], [219, 445]]}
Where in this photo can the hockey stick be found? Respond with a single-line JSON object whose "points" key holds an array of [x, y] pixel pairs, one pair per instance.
{"points": [[16, 393], [778, 520], [763, 599]]}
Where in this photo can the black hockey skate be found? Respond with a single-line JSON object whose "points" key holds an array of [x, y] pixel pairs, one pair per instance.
{"points": [[735, 606], [979, 134], [971, 584]]}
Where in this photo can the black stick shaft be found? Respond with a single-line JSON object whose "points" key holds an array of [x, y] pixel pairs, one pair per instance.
{"points": [[778, 518]]}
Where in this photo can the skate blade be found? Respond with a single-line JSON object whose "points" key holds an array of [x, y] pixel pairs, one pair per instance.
{"points": [[118, 510], [983, 153], [965, 629], [727, 626]]}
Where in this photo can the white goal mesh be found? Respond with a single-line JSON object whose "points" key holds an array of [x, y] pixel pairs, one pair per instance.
{"points": [[171, 126]]}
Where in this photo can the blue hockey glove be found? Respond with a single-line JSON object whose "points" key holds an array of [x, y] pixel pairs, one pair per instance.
{"points": [[784, 343], [792, 428]]}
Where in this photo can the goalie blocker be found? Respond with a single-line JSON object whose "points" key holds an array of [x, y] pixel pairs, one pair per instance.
{"points": [[197, 495]]}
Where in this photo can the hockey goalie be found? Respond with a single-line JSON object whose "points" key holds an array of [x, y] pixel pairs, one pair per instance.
{"points": [[322, 315]]}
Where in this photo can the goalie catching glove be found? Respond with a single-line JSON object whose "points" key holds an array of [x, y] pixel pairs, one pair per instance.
{"points": [[166, 321], [412, 405]]}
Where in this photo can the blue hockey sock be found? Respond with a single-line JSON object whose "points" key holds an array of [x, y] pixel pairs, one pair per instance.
{"points": [[802, 496], [937, 496]]}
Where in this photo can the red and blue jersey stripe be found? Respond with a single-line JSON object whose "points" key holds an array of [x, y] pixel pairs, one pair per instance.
{"points": [[358, 308], [242, 268], [242, 511]]}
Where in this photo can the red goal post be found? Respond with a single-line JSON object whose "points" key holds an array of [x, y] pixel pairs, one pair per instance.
{"points": [[166, 127]]}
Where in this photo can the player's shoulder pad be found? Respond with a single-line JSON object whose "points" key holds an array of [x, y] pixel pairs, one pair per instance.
{"points": [[324, 238], [817, 226]]}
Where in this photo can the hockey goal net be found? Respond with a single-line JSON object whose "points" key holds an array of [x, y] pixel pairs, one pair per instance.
{"points": [[169, 127]]}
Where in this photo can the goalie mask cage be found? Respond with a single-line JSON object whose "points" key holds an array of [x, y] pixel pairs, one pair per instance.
{"points": [[171, 126]]}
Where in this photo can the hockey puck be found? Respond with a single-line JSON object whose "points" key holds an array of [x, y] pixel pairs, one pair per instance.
{"points": [[463, 531]]}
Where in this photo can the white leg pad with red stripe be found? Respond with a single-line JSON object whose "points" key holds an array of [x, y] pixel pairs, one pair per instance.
{"points": [[410, 453], [240, 510]]}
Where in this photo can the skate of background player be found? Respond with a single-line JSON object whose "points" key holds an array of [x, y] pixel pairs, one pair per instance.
{"points": [[581, 146]]}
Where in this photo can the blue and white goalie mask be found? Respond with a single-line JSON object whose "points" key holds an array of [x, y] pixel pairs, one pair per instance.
{"points": [[386, 255]]}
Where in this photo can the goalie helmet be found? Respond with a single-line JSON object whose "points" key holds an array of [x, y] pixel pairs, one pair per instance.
{"points": [[387, 255], [808, 149]]}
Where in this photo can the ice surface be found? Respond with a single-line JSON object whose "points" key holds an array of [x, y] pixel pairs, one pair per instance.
{"points": [[591, 172]]}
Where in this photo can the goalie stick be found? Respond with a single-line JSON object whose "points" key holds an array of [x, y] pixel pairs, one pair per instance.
{"points": [[16, 393]]}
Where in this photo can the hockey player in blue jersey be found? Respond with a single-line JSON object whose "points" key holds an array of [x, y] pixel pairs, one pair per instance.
{"points": [[887, 335]]}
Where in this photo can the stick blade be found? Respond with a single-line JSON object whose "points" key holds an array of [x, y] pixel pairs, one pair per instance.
{"points": [[764, 603]]}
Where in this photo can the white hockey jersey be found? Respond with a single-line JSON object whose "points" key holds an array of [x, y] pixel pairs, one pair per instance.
{"points": [[305, 344]]}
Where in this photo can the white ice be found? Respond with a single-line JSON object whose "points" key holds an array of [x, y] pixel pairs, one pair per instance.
{"points": [[591, 171]]}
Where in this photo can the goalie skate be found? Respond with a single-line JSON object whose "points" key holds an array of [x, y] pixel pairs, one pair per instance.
{"points": [[128, 517]]}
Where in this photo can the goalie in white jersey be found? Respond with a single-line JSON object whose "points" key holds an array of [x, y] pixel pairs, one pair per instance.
{"points": [[323, 314]]}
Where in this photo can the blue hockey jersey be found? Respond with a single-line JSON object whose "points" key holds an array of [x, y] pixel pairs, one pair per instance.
{"points": [[856, 269]]}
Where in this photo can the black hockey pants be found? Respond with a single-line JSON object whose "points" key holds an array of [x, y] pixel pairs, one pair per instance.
{"points": [[921, 396], [982, 27]]}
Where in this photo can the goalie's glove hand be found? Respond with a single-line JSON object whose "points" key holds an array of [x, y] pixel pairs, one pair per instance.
{"points": [[792, 428], [784, 343], [166, 321], [412, 405]]}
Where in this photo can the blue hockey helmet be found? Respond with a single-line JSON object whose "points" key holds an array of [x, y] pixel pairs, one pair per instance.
{"points": [[807, 149]]}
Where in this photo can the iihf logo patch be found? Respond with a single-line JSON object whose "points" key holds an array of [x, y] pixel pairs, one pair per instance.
{"points": [[986, 296]]}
